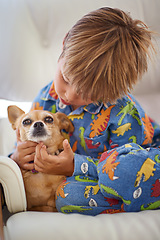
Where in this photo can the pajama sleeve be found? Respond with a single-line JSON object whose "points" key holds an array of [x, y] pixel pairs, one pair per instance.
{"points": [[130, 124], [85, 166]]}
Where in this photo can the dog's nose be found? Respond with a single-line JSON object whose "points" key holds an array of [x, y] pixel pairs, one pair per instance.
{"points": [[38, 125]]}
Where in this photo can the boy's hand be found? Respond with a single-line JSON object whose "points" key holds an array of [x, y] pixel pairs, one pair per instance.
{"points": [[24, 153], [63, 164]]}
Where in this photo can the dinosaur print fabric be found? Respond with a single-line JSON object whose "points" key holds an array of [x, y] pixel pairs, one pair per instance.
{"points": [[116, 156]]}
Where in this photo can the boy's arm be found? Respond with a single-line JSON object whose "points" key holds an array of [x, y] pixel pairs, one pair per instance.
{"points": [[130, 124]]}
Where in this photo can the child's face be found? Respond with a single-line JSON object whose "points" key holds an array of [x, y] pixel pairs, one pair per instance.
{"points": [[66, 92]]}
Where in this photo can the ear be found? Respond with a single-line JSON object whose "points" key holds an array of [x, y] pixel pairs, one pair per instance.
{"points": [[14, 113], [64, 122]]}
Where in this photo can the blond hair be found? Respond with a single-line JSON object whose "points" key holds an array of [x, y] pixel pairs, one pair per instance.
{"points": [[106, 53]]}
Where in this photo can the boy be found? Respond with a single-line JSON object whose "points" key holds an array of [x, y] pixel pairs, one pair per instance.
{"points": [[110, 164]]}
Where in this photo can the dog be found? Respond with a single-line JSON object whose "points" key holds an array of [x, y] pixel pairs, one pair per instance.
{"points": [[46, 127]]}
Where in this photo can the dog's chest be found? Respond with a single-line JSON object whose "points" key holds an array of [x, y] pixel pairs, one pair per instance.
{"points": [[39, 183]]}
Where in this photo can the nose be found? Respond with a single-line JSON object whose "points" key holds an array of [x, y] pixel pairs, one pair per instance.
{"points": [[38, 125]]}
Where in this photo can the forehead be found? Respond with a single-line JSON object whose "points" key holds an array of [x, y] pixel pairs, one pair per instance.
{"points": [[62, 65]]}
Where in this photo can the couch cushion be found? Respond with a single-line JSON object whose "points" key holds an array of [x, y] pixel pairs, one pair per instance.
{"points": [[49, 226]]}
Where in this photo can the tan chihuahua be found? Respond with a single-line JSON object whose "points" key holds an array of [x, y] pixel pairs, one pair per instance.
{"points": [[41, 126]]}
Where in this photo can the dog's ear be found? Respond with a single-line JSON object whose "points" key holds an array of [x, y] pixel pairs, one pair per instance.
{"points": [[64, 122], [14, 113]]}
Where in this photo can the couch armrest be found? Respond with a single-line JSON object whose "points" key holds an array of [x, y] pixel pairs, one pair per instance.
{"points": [[1, 217], [12, 183]]}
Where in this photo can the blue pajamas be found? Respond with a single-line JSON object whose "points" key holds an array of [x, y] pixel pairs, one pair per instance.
{"points": [[135, 185], [116, 156]]}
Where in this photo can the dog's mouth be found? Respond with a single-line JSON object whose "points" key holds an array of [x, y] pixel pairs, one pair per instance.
{"points": [[38, 135]]}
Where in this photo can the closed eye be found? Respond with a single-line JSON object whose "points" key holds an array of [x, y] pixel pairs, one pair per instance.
{"points": [[48, 119], [27, 122]]}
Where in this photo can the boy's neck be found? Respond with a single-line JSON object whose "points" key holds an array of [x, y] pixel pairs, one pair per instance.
{"points": [[74, 107]]}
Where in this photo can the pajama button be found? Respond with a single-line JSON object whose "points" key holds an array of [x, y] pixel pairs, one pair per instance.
{"points": [[92, 203], [137, 193], [84, 167]]}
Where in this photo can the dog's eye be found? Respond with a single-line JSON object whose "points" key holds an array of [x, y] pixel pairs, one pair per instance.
{"points": [[27, 122], [48, 119]]}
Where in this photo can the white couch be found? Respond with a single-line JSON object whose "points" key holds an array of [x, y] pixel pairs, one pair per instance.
{"points": [[31, 34]]}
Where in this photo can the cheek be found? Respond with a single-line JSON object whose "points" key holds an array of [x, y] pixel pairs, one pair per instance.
{"points": [[58, 84], [23, 134], [55, 133]]}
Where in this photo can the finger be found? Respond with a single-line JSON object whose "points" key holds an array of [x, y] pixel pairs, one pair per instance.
{"points": [[38, 169], [27, 162], [66, 146], [38, 166], [38, 158], [29, 166], [29, 158], [43, 152], [37, 151], [24, 150], [27, 144], [29, 151], [31, 144]]}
